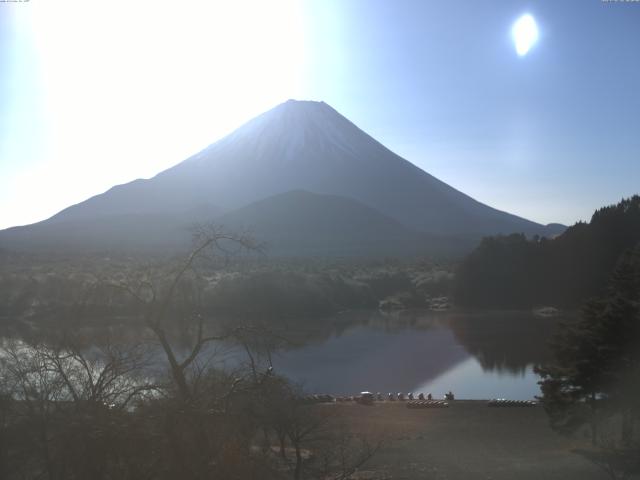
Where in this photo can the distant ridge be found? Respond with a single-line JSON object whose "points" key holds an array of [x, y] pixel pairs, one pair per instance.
{"points": [[296, 146], [301, 223]]}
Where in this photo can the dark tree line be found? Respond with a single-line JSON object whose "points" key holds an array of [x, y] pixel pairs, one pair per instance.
{"points": [[595, 378], [49, 293], [514, 271]]}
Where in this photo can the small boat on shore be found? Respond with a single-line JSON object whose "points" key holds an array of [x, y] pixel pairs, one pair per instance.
{"points": [[427, 404], [502, 402]]}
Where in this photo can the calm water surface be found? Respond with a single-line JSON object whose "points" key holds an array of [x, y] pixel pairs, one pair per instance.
{"points": [[476, 355]]}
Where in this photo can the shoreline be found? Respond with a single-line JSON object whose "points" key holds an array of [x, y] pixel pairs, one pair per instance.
{"points": [[468, 440]]}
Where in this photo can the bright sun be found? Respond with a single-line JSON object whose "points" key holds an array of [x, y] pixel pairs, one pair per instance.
{"points": [[127, 89], [525, 34]]}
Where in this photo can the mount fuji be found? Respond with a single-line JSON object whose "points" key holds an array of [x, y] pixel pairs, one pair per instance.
{"points": [[297, 162]]}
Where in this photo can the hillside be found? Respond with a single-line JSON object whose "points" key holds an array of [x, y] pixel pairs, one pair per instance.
{"points": [[513, 271], [301, 223], [295, 146]]}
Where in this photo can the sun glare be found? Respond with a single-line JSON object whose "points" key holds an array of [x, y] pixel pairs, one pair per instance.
{"points": [[132, 88], [525, 34]]}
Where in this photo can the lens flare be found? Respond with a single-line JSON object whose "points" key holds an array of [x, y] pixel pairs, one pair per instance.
{"points": [[525, 34]]}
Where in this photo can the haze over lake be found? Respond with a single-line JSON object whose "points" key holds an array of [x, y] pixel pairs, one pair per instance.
{"points": [[476, 355]]}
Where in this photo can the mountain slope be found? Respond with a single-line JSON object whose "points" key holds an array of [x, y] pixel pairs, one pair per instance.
{"points": [[295, 146], [295, 223], [309, 146], [129, 232], [302, 223]]}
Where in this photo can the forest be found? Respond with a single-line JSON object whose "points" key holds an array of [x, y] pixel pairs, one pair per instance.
{"points": [[514, 271], [594, 380]]}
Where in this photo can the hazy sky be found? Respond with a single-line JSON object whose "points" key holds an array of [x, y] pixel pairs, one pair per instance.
{"points": [[97, 93]]}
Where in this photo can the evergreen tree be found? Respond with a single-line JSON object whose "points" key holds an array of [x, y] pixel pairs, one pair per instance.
{"points": [[596, 376], [513, 271]]}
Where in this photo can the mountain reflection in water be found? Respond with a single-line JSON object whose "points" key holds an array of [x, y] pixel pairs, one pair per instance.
{"points": [[477, 355], [474, 354]]}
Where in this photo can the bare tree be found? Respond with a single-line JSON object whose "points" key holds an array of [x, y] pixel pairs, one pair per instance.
{"points": [[94, 410], [65, 406], [197, 422], [156, 295]]}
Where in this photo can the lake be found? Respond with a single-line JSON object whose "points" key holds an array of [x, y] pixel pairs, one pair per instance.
{"points": [[475, 355]]}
